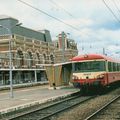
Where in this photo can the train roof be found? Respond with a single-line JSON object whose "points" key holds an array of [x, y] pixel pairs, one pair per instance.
{"points": [[92, 57]]}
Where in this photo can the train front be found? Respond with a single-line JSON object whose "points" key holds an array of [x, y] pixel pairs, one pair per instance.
{"points": [[90, 73]]}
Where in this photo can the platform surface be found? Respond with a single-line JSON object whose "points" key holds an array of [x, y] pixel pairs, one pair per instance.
{"points": [[26, 97]]}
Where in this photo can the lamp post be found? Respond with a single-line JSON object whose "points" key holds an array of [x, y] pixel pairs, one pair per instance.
{"points": [[10, 57]]}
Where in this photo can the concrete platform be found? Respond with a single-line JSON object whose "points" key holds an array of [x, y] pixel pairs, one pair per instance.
{"points": [[6, 87], [27, 97]]}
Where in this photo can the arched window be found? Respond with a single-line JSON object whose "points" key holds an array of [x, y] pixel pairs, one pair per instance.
{"points": [[37, 58], [19, 58], [52, 59], [29, 59], [44, 58]]}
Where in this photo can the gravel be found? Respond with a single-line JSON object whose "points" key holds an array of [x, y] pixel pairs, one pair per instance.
{"points": [[82, 111]]}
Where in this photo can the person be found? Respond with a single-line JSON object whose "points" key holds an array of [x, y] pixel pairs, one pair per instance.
{"points": [[54, 86]]}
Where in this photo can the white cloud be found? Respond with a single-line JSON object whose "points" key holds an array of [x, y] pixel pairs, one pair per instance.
{"points": [[98, 28]]}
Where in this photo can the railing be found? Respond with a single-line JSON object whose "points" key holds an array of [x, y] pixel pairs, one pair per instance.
{"points": [[4, 37]]}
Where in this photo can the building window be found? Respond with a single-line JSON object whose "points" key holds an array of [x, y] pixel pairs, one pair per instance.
{"points": [[19, 58], [44, 58], [37, 58], [29, 59], [52, 59]]}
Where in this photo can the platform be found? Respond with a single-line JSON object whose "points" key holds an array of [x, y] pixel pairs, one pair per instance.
{"points": [[27, 97]]}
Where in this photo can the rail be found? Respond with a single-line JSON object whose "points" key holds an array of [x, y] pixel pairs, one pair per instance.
{"points": [[90, 117], [53, 109]]}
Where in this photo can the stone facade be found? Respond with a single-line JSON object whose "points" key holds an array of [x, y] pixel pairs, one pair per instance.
{"points": [[30, 52], [65, 48]]}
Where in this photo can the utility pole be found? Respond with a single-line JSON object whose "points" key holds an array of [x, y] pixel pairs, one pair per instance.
{"points": [[103, 51], [10, 56]]}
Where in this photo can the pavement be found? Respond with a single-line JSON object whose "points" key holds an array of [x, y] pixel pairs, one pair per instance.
{"points": [[26, 97]]}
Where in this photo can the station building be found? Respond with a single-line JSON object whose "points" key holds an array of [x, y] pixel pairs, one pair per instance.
{"points": [[30, 52]]}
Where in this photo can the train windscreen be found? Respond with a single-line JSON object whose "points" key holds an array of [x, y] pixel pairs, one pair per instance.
{"points": [[89, 66]]}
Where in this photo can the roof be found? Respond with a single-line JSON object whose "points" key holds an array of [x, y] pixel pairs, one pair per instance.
{"points": [[65, 63], [6, 17], [91, 57], [10, 23]]}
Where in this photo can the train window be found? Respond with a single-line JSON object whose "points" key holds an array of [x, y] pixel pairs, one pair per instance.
{"points": [[89, 66], [110, 66], [117, 66], [114, 66]]}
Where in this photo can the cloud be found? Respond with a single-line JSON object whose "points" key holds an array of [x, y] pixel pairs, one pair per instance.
{"points": [[98, 28]]}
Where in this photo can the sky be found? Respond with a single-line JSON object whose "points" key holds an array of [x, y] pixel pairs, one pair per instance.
{"points": [[90, 23]]}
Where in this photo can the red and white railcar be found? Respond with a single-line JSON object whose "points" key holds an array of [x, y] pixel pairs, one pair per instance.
{"points": [[95, 70]]}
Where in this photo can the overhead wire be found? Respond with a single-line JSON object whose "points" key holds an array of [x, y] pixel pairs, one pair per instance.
{"points": [[111, 11], [48, 14], [56, 4], [39, 10], [118, 2], [66, 11], [116, 6]]}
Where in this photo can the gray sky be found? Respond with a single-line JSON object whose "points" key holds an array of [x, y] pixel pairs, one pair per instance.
{"points": [[97, 28]]}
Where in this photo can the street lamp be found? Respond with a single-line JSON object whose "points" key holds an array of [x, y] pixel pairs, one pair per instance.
{"points": [[10, 57]]}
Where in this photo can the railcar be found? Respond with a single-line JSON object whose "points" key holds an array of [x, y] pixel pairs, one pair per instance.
{"points": [[94, 71]]}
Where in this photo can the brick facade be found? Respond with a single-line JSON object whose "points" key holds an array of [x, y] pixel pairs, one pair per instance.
{"points": [[30, 55]]}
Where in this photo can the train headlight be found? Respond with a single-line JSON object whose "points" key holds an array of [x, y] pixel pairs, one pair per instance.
{"points": [[101, 76], [74, 77]]}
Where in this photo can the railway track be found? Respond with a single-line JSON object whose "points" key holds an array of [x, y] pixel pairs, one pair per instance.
{"points": [[110, 111], [53, 109]]}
